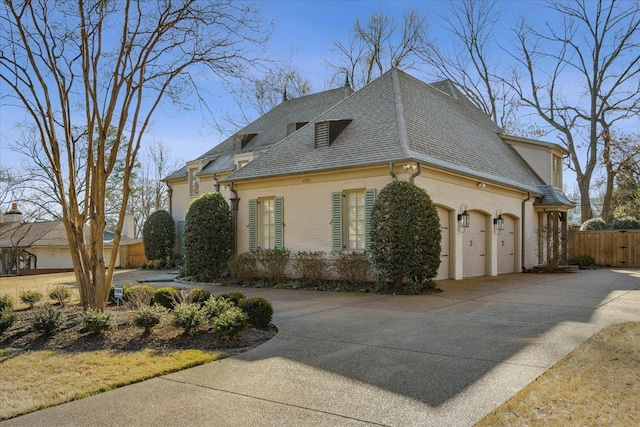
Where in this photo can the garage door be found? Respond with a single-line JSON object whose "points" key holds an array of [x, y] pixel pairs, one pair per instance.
{"points": [[443, 270], [474, 246], [506, 247]]}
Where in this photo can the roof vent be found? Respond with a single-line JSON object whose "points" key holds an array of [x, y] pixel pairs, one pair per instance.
{"points": [[242, 139], [326, 132], [292, 127]]}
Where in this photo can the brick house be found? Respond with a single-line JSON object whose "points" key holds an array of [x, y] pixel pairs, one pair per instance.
{"points": [[305, 175]]}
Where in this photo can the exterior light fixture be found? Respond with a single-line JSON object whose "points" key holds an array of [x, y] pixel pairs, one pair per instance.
{"points": [[498, 222], [463, 218], [408, 166], [481, 185]]}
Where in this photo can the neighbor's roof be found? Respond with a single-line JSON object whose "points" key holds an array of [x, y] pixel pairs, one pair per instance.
{"points": [[45, 233], [24, 235], [269, 129], [398, 118]]}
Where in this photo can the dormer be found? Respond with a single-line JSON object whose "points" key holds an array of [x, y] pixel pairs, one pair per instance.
{"points": [[327, 131], [193, 168], [292, 127], [242, 159], [240, 140], [545, 158]]}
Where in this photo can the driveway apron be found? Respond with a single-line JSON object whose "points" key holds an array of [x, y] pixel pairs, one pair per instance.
{"points": [[367, 359]]}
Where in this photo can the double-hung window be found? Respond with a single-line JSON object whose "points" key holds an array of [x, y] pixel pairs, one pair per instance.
{"points": [[266, 223], [351, 219]]}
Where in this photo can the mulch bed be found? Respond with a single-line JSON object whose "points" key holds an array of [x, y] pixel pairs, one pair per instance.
{"points": [[125, 337]]}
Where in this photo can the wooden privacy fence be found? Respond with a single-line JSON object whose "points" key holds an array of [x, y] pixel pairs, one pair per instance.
{"points": [[611, 248], [135, 255]]}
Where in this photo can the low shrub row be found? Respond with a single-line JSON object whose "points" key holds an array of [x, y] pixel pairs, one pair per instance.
{"points": [[312, 268], [228, 314]]}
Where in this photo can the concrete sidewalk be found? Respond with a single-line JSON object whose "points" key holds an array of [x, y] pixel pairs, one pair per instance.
{"points": [[360, 359]]}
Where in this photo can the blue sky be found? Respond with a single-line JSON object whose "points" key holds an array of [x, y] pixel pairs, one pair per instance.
{"points": [[303, 31]]}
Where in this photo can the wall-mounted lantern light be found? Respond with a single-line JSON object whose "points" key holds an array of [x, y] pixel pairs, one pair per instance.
{"points": [[498, 222], [463, 218]]}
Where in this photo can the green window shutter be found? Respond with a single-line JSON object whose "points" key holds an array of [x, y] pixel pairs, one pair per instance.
{"points": [[336, 221], [369, 200], [278, 220], [253, 224]]}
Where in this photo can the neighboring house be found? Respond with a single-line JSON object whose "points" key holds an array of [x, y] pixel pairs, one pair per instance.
{"points": [[43, 245], [305, 176]]}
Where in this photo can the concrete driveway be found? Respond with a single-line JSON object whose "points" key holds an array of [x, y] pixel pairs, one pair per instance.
{"points": [[359, 359]]}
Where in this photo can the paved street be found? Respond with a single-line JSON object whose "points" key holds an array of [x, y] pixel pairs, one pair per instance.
{"points": [[361, 359]]}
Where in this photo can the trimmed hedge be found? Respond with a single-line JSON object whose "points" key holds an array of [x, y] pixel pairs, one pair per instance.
{"points": [[405, 234], [208, 236]]}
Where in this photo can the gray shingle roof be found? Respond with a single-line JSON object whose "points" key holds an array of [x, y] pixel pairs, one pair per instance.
{"points": [[269, 129], [397, 118], [24, 235], [551, 197]]}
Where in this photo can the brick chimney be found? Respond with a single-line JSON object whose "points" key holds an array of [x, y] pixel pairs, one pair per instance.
{"points": [[13, 214]]}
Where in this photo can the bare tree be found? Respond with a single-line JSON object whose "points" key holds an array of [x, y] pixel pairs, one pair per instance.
{"points": [[260, 94], [377, 46], [148, 193], [470, 59], [102, 64], [598, 47], [11, 186]]}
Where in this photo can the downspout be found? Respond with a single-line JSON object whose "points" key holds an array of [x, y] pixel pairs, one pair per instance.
{"points": [[217, 184], [170, 194], [523, 230], [418, 172], [391, 172], [234, 218]]}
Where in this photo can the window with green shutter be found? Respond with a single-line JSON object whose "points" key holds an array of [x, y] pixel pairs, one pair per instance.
{"points": [[351, 219], [253, 225], [266, 223]]}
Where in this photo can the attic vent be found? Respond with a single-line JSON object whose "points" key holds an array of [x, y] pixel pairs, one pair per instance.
{"points": [[327, 132], [242, 139], [292, 127]]}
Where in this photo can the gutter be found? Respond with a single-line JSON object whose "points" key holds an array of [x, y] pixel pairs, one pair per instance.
{"points": [[170, 194], [391, 172], [523, 230], [217, 184]]}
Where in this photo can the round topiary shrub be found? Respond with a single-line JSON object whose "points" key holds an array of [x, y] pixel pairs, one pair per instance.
{"points": [[405, 234], [187, 316], [148, 316], [235, 297], [167, 297], [215, 306], [138, 292], [198, 296], [259, 311], [593, 224], [96, 321], [625, 223], [230, 323], [208, 235], [159, 236], [47, 320]]}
